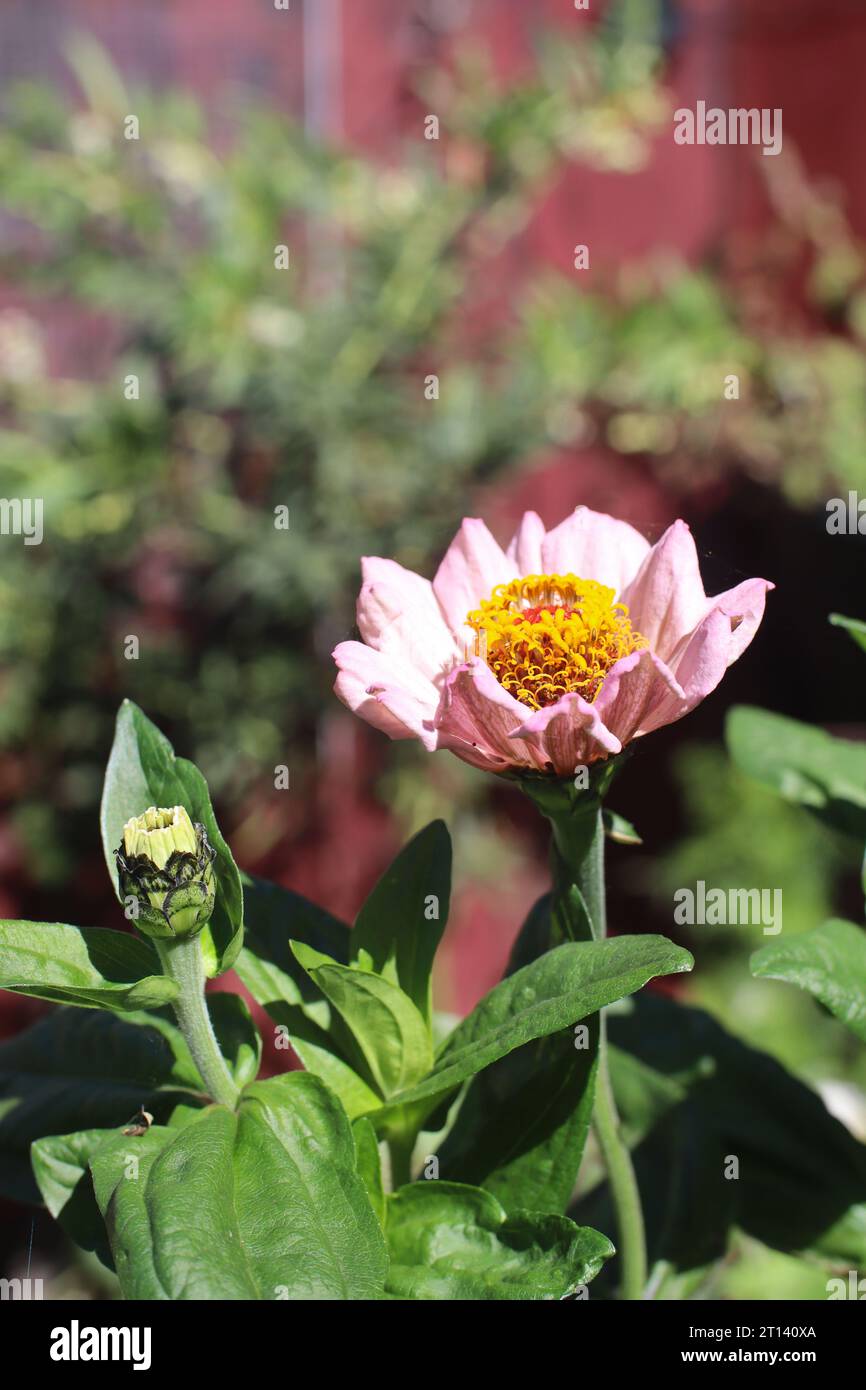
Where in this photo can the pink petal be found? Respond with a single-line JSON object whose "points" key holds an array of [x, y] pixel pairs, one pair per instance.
{"points": [[386, 692], [398, 615], [666, 598], [594, 546], [473, 565], [744, 605], [477, 712], [703, 656], [633, 689], [567, 735], [699, 667], [524, 552]]}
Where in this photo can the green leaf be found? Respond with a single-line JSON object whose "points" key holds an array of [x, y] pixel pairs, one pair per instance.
{"points": [[390, 1033], [61, 1169], [370, 1166], [143, 771], [829, 963], [277, 980], [618, 829], [318, 1054], [265, 1203], [78, 1070], [395, 925], [81, 965], [559, 989], [855, 626], [522, 1124], [802, 764], [449, 1241], [802, 1175]]}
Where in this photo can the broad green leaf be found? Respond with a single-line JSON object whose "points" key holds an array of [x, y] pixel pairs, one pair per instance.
{"points": [[803, 764], [78, 1069], [88, 966], [855, 626], [402, 921], [559, 989], [143, 771], [829, 962], [522, 1124], [61, 1169], [370, 1166], [390, 1033], [319, 1056], [265, 1203], [802, 1176], [448, 1241]]}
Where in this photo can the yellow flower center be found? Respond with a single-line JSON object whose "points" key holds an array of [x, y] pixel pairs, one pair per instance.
{"points": [[549, 634]]}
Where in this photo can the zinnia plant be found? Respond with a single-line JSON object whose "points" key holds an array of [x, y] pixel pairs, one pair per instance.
{"points": [[543, 662], [410, 1158]]}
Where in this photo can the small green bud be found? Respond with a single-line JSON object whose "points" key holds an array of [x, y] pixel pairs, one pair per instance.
{"points": [[165, 863]]}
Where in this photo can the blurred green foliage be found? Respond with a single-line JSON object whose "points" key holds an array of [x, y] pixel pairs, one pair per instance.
{"points": [[739, 834], [304, 388], [259, 388]]}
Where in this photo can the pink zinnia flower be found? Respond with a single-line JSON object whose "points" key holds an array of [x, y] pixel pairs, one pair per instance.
{"points": [[552, 654]]}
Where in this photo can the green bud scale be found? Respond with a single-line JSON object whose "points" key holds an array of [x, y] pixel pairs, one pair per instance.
{"points": [[165, 863]]}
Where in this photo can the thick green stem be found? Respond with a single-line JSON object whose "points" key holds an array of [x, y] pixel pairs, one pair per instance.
{"points": [[578, 845], [182, 961], [578, 859]]}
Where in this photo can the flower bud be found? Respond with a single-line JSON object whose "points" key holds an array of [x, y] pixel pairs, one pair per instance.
{"points": [[166, 864]]}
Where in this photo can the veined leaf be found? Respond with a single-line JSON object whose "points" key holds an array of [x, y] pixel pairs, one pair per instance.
{"points": [[265, 1203], [829, 963], [522, 1124], [61, 1168], [559, 989], [390, 1033], [87, 966], [803, 764], [450, 1241]]}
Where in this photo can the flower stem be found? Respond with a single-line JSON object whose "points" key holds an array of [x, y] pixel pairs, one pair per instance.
{"points": [[578, 854], [182, 962], [621, 1177]]}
